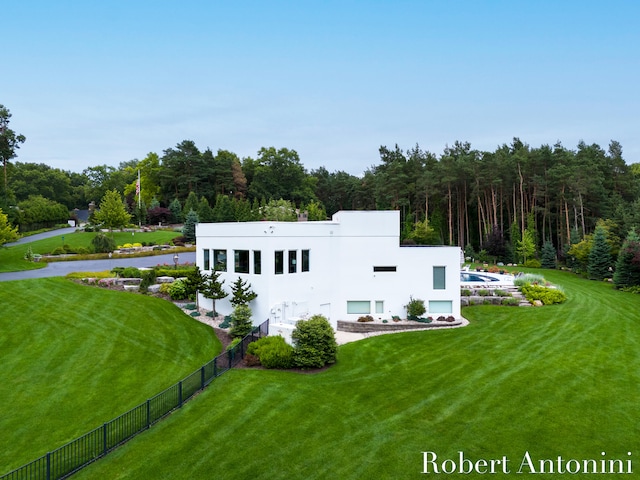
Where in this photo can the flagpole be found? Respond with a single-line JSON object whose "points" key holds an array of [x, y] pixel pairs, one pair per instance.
{"points": [[139, 191]]}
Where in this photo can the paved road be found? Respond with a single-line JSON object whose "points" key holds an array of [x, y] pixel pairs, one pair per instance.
{"points": [[60, 269]]}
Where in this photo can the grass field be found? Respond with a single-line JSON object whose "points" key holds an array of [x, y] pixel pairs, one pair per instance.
{"points": [[12, 258], [74, 357], [560, 380]]}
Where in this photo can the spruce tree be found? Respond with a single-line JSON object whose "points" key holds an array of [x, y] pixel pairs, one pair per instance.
{"points": [[212, 288], [627, 272], [189, 228], [548, 255], [176, 211], [599, 255]]}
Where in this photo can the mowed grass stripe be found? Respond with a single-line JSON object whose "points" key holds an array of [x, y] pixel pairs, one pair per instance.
{"points": [[559, 380], [75, 356]]}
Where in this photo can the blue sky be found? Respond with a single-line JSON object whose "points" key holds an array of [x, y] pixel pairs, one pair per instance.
{"points": [[92, 83]]}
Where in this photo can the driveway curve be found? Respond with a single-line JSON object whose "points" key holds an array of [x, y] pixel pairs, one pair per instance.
{"points": [[60, 269]]}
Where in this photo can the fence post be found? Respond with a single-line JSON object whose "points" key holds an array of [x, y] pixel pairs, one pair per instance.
{"points": [[148, 413], [104, 438], [180, 394], [202, 378], [48, 465], [215, 367]]}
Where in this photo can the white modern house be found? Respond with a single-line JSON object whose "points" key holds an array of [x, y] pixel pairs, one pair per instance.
{"points": [[350, 266]]}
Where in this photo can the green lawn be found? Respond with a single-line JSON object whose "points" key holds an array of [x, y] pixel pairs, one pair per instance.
{"points": [[561, 380], [12, 258], [75, 356]]}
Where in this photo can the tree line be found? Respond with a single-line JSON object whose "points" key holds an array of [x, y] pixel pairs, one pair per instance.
{"points": [[503, 204]]}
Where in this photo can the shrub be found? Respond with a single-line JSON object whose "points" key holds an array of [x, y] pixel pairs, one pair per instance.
{"points": [[484, 293], [272, 352], [101, 243], [58, 251], [533, 263], [165, 288], [465, 292], [510, 302], [548, 296], [502, 293], [234, 343], [415, 308], [226, 322], [178, 290], [366, 318], [148, 279], [315, 343], [241, 324], [131, 272]]}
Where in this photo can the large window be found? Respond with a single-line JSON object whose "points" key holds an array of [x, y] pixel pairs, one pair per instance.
{"points": [[439, 275], [241, 261], [207, 262], [220, 260], [359, 306], [257, 262], [293, 261], [305, 260], [279, 262], [440, 306]]}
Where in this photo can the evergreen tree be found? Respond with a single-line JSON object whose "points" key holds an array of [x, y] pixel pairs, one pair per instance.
{"points": [[548, 255], [241, 323], [189, 227], [176, 211], [241, 293], [112, 213], [223, 210], [205, 212], [627, 272], [494, 244], [190, 204], [212, 288], [526, 247], [599, 255], [314, 342]]}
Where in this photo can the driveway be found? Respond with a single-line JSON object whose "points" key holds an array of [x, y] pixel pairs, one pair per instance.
{"points": [[60, 269]]}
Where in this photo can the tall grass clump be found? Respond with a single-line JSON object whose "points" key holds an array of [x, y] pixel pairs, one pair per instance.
{"points": [[529, 278]]}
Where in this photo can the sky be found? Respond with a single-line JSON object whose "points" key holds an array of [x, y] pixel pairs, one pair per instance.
{"points": [[100, 83]]}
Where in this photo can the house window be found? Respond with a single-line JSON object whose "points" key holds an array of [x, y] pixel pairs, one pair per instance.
{"points": [[241, 261], [293, 267], [439, 278], [440, 306], [257, 262], [305, 260], [379, 306], [220, 260], [279, 262], [206, 258], [359, 306], [384, 269]]}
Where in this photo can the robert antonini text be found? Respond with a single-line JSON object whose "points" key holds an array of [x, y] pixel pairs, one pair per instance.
{"points": [[527, 464]]}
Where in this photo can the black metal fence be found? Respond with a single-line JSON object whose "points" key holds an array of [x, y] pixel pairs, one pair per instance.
{"points": [[84, 450]]}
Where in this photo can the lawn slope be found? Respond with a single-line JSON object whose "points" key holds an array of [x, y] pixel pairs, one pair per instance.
{"points": [[561, 380], [74, 357]]}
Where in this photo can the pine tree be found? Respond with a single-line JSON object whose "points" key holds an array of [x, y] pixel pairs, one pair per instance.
{"points": [[189, 228], [241, 293], [627, 272], [212, 288], [599, 256], [548, 255]]}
